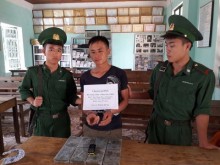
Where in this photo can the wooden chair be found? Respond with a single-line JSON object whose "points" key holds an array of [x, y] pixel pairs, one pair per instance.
{"points": [[214, 120], [9, 87], [136, 114]]}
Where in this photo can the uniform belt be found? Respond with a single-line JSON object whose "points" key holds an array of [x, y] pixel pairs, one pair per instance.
{"points": [[173, 122], [53, 116]]}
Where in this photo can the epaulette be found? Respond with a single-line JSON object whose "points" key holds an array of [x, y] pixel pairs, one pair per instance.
{"points": [[201, 68]]}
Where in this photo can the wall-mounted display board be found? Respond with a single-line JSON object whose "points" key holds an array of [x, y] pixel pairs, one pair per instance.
{"points": [[67, 19], [148, 50], [205, 24]]}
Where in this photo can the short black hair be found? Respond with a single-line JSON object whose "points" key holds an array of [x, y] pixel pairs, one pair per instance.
{"points": [[97, 39]]}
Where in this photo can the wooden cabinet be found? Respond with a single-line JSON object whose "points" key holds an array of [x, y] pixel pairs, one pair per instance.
{"points": [[80, 56], [38, 55], [66, 57]]}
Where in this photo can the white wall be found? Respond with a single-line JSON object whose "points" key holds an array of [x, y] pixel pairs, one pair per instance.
{"points": [[100, 4]]}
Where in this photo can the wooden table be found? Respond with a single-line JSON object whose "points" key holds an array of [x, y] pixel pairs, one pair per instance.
{"points": [[5, 104], [19, 72], [42, 150]]}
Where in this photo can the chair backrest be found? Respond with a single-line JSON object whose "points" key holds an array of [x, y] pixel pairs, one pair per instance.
{"points": [[138, 83], [9, 84]]}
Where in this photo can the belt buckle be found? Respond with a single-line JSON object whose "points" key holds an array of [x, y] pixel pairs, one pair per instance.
{"points": [[167, 122], [55, 116]]}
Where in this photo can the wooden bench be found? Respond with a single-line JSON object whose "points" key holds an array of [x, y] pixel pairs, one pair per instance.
{"points": [[214, 120], [9, 87], [137, 113]]}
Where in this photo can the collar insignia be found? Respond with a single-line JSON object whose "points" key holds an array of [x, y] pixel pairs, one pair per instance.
{"points": [[172, 26], [56, 37]]}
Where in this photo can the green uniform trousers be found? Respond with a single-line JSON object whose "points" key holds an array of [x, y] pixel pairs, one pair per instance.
{"points": [[48, 126], [160, 132]]}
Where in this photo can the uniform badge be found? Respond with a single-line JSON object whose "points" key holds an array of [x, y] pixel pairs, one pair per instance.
{"points": [[172, 26], [56, 37]]}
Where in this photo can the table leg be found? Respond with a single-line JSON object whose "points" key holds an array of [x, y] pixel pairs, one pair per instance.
{"points": [[1, 138], [16, 124], [22, 123]]}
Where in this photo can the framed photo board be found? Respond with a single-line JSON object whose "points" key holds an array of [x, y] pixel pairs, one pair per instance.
{"points": [[126, 28], [157, 19], [138, 28], [123, 11], [48, 13], [157, 11], [48, 21], [148, 50], [205, 24], [112, 12], [100, 12], [58, 13], [123, 19], [134, 11], [68, 21], [90, 20], [160, 28], [134, 19], [58, 21], [79, 20], [146, 11], [37, 21], [37, 13], [112, 20], [149, 27], [38, 29], [79, 12], [115, 28], [68, 13], [146, 19], [101, 20], [90, 12]]}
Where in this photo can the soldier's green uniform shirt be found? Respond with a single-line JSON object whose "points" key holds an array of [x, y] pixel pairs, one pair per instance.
{"points": [[58, 92], [180, 98]]}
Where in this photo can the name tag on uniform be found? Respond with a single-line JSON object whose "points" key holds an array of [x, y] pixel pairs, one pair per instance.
{"points": [[62, 80], [100, 96]]}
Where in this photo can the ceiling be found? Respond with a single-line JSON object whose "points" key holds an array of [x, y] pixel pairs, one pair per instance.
{"points": [[77, 1]]}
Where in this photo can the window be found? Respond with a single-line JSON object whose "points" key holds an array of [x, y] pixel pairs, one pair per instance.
{"points": [[178, 10], [12, 47]]}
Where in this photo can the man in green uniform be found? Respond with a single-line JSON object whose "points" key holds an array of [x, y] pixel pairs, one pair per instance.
{"points": [[49, 88], [184, 92]]}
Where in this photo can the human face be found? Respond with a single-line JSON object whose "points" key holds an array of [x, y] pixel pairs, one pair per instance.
{"points": [[53, 53], [177, 50], [99, 53]]}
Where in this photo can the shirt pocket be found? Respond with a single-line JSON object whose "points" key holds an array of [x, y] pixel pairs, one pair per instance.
{"points": [[186, 94], [60, 88]]}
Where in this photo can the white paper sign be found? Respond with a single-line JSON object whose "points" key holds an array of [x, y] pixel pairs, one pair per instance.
{"points": [[100, 97]]}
